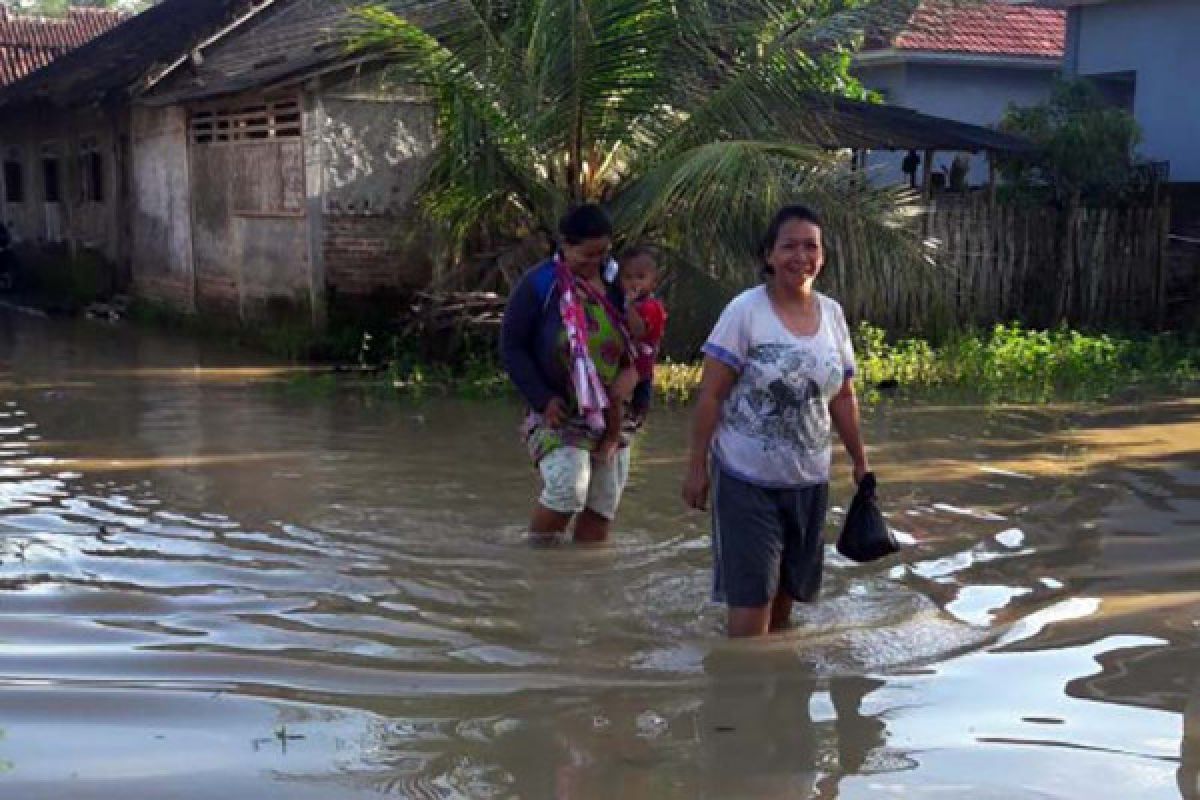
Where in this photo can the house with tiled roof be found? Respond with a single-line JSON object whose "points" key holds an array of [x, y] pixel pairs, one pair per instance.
{"points": [[29, 42], [966, 62], [66, 138], [224, 156]]}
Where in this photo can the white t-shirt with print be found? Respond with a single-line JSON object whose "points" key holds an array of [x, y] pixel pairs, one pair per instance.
{"points": [[775, 428]]}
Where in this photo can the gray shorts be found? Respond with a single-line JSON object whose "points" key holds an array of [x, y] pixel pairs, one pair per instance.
{"points": [[766, 541]]}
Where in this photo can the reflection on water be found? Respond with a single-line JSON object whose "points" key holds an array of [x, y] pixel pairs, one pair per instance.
{"points": [[213, 584]]}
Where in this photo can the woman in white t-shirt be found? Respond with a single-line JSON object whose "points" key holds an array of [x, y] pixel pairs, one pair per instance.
{"points": [[778, 376]]}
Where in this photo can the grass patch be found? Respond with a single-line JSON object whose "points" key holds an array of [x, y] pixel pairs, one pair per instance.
{"points": [[1011, 362], [1007, 362]]}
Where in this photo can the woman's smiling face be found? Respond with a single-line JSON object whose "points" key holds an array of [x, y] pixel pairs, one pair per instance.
{"points": [[798, 254], [589, 256]]}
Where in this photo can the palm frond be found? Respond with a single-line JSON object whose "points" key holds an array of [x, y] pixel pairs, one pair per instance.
{"points": [[718, 198]]}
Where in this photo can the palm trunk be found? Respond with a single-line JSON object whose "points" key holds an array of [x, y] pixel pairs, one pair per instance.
{"points": [[575, 152]]}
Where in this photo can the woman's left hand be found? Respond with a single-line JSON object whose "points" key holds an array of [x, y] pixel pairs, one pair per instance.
{"points": [[695, 487], [860, 469]]}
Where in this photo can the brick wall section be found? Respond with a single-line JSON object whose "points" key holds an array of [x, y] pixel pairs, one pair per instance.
{"points": [[170, 292], [367, 252]]}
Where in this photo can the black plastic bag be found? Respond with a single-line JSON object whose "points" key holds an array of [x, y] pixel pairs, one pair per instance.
{"points": [[865, 534]]}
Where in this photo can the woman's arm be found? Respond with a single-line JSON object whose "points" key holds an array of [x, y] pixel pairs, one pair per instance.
{"points": [[843, 409], [715, 384], [518, 341]]}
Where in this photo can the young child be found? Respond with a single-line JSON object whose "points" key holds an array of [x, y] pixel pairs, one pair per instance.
{"points": [[647, 320]]}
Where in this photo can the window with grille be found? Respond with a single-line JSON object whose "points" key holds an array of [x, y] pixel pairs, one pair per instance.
{"points": [[248, 121], [14, 181], [51, 188], [91, 171]]}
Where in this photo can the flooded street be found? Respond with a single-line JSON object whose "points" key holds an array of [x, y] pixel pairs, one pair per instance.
{"points": [[215, 584]]}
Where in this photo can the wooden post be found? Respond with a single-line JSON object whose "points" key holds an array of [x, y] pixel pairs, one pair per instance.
{"points": [[991, 190], [1067, 279], [927, 175], [1161, 260]]}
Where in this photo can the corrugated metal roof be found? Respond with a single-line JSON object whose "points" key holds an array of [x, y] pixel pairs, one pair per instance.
{"points": [[992, 28], [870, 126], [29, 42]]}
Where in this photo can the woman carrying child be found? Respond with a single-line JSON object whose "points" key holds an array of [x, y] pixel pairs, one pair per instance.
{"points": [[565, 346]]}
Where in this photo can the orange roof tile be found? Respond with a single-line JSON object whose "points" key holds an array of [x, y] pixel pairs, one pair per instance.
{"points": [[993, 28], [28, 43]]}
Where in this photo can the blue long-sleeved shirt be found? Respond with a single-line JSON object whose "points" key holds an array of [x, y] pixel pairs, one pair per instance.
{"points": [[531, 337]]}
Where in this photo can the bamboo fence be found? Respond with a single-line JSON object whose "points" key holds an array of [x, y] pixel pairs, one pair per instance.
{"points": [[996, 262]]}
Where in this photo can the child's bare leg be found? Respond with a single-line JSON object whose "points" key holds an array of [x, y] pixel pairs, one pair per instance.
{"points": [[625, 383]]}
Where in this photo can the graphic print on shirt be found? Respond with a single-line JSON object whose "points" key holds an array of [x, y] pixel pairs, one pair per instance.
{"points": [[779, 403]]}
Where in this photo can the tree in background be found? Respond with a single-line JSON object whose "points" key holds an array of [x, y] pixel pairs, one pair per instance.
{"points": [[692, 120], [1087, 144]]}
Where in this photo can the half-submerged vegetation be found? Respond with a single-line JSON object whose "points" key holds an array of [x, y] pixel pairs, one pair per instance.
{"points": [[1005, 364]]}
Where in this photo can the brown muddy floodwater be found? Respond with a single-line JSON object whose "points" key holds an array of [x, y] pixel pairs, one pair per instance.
{"points": [[213, 585]]}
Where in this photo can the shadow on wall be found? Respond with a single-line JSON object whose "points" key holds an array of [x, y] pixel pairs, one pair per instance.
{"points": [[62, 281]]}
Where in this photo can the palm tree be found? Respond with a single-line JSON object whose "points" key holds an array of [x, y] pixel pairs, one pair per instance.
{"points": [[691, 120]]}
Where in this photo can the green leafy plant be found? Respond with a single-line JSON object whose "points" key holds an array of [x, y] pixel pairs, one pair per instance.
{"points": [[1012, 362], [1087, 145]]}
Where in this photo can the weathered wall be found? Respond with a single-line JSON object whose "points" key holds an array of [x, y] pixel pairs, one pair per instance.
{"points": [[249, 227], [365, 147], [374, 147], [78, 220], [19, 144], [160, 208]]}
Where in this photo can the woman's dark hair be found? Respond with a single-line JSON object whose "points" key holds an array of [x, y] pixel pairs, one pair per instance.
{"points": [[584, 222], [782, 217]]}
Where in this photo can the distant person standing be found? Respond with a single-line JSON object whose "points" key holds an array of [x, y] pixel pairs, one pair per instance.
{"points": [[959, 168], [909, 165], [778, 379]]}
